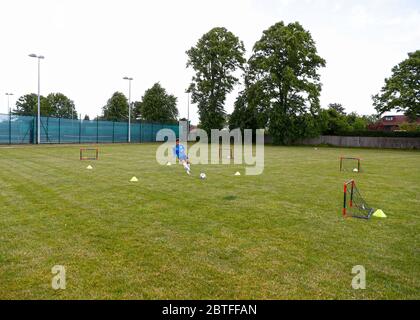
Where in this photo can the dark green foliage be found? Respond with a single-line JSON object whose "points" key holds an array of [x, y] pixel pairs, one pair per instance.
{"points": [[401, 91], [284, 65], [357, 122], [337, 107], [54, 105], [334, 122], [61, 106], [157, 106], [251, 109], [116, 108], [217, 55]]}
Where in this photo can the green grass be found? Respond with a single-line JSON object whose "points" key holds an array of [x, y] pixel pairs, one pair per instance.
{"points": [[279, 235]]}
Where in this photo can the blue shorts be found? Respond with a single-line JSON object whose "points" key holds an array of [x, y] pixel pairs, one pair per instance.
{"points": [[183, 157]]}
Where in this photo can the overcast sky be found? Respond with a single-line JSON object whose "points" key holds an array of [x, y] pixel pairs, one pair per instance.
{"points": [[90, 45]]}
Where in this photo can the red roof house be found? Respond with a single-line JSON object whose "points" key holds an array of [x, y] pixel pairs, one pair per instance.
{"points": [[391, 123]]}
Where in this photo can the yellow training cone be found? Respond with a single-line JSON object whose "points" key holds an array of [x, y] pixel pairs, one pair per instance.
{"points": [[134, 179], [379, 214], [89, 167]]}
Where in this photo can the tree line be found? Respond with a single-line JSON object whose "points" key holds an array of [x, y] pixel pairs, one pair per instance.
{"points": [[281, 89], [282, 85]]}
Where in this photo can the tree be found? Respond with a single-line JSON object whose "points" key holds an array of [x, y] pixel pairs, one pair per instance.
{"points": [[27, 105], [54, 105], [334, 122], [285, 65], [338, 107], [401, 91], [356, 122], [250, 109], [410, 127], [157, 105], [243, 116], [136, 110], [61, 106], [116, 108], [217, 55], [86, 118]]}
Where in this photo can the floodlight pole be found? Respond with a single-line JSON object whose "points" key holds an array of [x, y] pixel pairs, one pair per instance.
{"points": [[38, 136], [8, 106], [129, 107], [188, 117]]}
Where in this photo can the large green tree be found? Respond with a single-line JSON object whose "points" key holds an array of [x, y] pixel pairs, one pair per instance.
{"points": [[401, 91], [116, 108], [27, 105], [54, 105], [333, 121], [157, 105], [250, 109], [285, 65], [338, 107], [215, 58], [61, 106]]}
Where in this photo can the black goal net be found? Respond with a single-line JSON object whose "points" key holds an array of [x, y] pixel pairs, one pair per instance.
{"points": [[89, 154], [226, 151], [350, 164], [354, 204]]}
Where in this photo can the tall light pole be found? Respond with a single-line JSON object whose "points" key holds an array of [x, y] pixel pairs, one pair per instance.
{"points": [[188, 117], [8, 94], [38, 125], [129, 107]]}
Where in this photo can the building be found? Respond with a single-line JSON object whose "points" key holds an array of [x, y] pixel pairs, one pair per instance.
{"points": [[391, 123]]}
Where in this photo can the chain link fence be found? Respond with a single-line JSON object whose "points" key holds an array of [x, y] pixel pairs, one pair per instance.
{"points": [[22, 130]]}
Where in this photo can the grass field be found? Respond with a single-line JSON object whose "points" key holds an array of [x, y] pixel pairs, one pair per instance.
{"points": [[172, 236]]}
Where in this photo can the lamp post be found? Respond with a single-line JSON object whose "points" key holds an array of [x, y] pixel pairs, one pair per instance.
{"points": [[129, 107], [8, 94], [38, 125], [188, 117]]}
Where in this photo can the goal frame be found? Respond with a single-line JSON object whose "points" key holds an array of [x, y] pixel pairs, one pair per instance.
{"points": [[231, 152], [359, 160], [83, 158], [348, 205]]}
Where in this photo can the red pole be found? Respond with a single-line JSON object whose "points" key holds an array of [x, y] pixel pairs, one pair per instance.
{"points": [[351, 197], [345, 200]]}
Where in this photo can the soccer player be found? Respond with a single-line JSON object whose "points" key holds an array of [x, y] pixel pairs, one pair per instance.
{"points": [[179, 152]]}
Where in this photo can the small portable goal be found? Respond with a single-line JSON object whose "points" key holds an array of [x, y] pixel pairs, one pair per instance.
{"points": [[226, 152], [354, 204], [89, 154], [350, 164]]}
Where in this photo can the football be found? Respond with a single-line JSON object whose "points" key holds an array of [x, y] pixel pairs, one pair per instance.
{"points": [[202, 176]]}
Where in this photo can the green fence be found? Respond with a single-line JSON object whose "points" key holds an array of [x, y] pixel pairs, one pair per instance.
{"points": [[22, 129]]}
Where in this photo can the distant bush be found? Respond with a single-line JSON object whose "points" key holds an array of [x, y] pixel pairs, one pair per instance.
{"points": [[411, 127]]}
